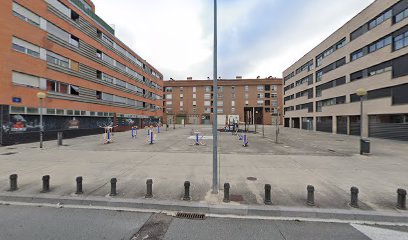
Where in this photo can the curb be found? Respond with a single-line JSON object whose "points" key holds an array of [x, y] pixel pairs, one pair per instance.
{"points": [[226, 210]]}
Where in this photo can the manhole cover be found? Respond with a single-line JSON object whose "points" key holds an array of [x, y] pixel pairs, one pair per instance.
{"points": [[8, 153], [192, 216], [251, 178], [236, 198]]}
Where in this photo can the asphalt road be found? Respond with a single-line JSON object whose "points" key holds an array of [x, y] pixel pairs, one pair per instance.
{"points": [[42, 223]]}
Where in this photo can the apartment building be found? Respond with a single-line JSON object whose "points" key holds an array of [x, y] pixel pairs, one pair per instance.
{"points": [[91, 79], [254, 101], [370, 51]]}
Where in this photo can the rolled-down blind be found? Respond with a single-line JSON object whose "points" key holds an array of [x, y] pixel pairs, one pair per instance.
{"points": [[26, 44], [25, 79], [26, 13]]}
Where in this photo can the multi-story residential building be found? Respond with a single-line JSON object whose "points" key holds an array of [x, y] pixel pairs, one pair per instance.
{"points": [[62, 48], [370, 51], [254, 101]]}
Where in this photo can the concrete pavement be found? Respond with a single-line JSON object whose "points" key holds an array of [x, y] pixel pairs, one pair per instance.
{"points": [[329, 162]]}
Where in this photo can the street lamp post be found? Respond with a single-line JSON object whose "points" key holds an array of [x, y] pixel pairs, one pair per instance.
{"points": [[215, 113], [361, 92], [277, 126], [41, 96]]}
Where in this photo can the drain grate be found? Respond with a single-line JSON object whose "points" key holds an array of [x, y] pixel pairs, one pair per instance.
{"points": [[8, 153], [191, 216], [252, 178]]}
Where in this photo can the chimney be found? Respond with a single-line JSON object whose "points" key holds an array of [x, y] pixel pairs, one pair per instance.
{"points": [[189, 78], [238, 77]]}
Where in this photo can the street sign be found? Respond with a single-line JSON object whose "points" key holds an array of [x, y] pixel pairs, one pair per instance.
{"points": [[16, 100]]}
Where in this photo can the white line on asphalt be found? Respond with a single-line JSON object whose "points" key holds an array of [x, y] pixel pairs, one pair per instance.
{"points": [[211, 215], [375, 233]]}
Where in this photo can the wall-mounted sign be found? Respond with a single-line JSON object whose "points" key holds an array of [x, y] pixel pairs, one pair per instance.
{"points": [[16, 100]]}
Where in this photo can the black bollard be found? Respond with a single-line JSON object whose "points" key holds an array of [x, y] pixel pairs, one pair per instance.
{"points": [[79, 185], [268, 199], [402, 199], [13, 182], [226, 192], [45, 183], [149, 188], [310, 195], [113, 182], [354, 197], [186, 191]]}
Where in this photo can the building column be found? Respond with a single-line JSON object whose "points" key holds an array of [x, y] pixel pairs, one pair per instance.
{"points": [[334, 124], [300, 122], [348, 125], [314, 123]]}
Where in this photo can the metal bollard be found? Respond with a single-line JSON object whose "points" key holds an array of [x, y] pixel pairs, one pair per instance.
{"points": [[354, 197], [13, 182], [310, 195], [60, 137], [113, 182], [186, 191], [268, 198], [149, 188], [79, 185], [45, 183], [226, 192], [402, 199]]}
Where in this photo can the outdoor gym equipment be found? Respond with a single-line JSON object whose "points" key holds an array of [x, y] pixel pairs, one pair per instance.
{"points": [[151, 138], [134, 132], [198, 139], [245, 140]]}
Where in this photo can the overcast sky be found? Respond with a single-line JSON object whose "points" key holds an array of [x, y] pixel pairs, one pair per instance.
{"points": [[255, 37]]}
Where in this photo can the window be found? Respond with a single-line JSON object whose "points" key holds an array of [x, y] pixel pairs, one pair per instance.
{"points": [[220, 110], [169, 103], [194, 89], [380, 44], [207, 110], [260, 102], [63, 88], [25, 79], [25, 14], [108, 59], [58, 32], [120, 66], [194, 103], [233, 89], [194, 96], [181, 104], [233, 110], [380, 19], [26, 47], [260, 88], [107, 40], [401, 16], [107, 78], [246, 95], [181, 95], [260, 95], [246, 88], [246, 102], [329, 51], [220, 88], [168, 89], [74, 41], [233, 103], [207, 103], [107, 97], [51, 85], [74, 16], [207, 96], [99, 54], [401, 41], [74, 90], [219, 95], [274, 88], [120, 83], [356, 55], [181, 89], [207, 89], [220, 103], [57, 59]]}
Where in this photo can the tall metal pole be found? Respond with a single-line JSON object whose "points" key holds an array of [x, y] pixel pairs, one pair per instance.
{"points": [[361, 116], [41, 123], [215, 119]]}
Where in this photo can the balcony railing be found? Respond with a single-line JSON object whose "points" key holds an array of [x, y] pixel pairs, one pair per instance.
{"points": [[95, 17]]}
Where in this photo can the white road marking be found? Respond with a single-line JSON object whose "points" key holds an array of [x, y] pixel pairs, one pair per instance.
{"points": [[201, 137], [376, 233]]}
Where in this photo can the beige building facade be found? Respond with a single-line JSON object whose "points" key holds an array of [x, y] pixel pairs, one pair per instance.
{"points": [[370, 51], [251, 101]]}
